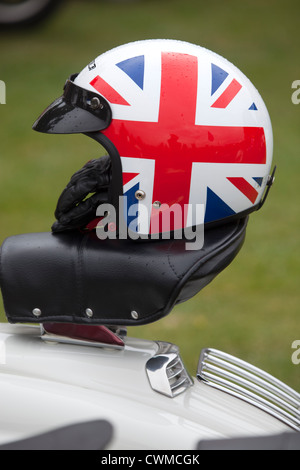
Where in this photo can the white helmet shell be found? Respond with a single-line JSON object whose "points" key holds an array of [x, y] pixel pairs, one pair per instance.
{"points": [[189, 127]]}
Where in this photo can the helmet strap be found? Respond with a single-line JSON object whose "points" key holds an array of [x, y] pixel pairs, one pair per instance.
{"points": [[116, 186]]}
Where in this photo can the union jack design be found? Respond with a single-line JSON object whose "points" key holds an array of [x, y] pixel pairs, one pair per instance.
{"points": [[177, 126]]}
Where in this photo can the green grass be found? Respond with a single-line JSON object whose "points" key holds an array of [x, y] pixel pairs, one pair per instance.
{"points": [[252, 308]]}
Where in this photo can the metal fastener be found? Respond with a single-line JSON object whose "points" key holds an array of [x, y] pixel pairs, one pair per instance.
{"points": [[156, 204], [37, 312], [140, 194], [270, 180], [96, 103], [134, 315], [89, 312]]}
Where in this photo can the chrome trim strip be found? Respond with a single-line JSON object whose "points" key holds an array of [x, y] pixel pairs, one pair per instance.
{"points": [[54, 338], [77, 342], [166, 372], [249, 383]]}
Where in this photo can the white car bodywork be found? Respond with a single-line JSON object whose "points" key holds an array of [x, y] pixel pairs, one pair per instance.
{"points": [[47, 383]]}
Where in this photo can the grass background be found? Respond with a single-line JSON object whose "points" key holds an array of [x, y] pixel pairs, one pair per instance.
{"points": [[252, 308]]}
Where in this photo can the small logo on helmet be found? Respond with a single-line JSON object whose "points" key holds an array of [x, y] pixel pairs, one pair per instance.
{"points": [[2, 92], [92, 65]]}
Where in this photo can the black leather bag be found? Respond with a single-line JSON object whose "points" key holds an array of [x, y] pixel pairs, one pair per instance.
{"points": [[77, 278]]}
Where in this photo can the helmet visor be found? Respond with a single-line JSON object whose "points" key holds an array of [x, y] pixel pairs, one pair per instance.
{"points": [[77, 110]]}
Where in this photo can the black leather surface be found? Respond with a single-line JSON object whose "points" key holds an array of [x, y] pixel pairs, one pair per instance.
{"points": [[64, 274]]}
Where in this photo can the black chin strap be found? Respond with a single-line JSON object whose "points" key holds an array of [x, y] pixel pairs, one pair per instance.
{"points": [[116, 185]]}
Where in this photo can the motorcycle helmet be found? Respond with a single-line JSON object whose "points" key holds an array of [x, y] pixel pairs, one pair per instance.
{"points": [[183, 128]]}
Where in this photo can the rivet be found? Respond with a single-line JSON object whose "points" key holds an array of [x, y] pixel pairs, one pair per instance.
{"points": [[37, 312], [134, 315], [89, 312], [95, 103], [140, 194], [156, 204]]}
